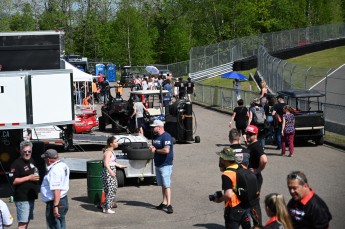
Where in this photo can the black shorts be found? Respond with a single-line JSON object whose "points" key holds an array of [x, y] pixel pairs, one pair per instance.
{"points": [[140, 122]]}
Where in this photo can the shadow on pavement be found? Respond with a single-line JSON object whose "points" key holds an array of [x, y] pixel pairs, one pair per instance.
{"points": [[209, 226], [137, 203]]}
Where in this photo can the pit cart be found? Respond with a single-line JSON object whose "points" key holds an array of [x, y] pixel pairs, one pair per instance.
{"points": [[309, 117], [133, 151]]}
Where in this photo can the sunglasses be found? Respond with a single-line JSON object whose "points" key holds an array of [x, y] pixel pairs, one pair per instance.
{"points": [[27, 151], [295, 176], [249, 134]]}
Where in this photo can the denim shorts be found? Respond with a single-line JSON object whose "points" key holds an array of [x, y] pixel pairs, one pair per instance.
{"points": [[25, 211], [163, 175]]}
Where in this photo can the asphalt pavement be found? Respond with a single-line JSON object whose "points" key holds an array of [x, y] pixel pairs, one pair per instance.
{"points": [[195, 176]]}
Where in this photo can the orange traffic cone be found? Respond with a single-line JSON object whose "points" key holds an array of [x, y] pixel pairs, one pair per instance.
{"points": [[102, 199]]}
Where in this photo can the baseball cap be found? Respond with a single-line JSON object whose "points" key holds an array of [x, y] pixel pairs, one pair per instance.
{"points": [[157, 123], [50, 153], [227, 154], [252, 129], [280, 97]]}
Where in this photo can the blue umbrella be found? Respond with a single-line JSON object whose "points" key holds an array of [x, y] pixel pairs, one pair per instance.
{"points": [[234, 75]]}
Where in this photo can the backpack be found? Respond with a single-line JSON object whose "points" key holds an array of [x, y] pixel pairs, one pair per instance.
{"points": [[258, 116], [246, 187]]}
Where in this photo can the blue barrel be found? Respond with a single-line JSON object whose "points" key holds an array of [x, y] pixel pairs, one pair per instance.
{"points": [[111, 72]]}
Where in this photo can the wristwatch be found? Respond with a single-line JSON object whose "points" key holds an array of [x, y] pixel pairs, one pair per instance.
{"points": [[55, 206]]}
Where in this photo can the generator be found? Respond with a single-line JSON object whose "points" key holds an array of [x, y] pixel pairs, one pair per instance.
{"points": [[180, 121]]}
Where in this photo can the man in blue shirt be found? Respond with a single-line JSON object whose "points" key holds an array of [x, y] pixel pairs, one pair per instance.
{"points": [[162, 147]]}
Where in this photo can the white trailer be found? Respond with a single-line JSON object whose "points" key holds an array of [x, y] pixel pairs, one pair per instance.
{"points": [[30, 99]]}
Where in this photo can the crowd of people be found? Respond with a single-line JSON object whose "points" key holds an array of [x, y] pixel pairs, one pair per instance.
{"points": [[304, 210], [54, 188], [268, 120], [274, 119]]}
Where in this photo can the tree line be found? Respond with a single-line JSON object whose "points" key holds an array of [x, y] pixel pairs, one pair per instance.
{"points": [[139, 32]]}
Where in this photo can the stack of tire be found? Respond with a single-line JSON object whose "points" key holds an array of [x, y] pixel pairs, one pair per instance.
{"points": [[137, 151], [134, 151]]}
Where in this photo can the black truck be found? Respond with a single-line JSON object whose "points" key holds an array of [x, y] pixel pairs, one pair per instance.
{"points": [[309, 117]]}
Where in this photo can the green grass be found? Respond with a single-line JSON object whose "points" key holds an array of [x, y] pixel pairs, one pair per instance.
{"points": [[330, 58], [227, 83]]}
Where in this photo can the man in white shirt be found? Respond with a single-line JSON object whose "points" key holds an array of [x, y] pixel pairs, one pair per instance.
{"points": [[6, 218], [54, 190]]}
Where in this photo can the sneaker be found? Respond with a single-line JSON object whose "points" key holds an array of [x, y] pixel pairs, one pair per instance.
{"points": [[290, 155], [169, 209], [109, 211], [278, 148], [161, 206]]}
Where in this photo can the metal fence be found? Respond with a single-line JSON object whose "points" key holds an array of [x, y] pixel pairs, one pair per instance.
{"points": [[283, 75], [213, 55], [221, 97]]}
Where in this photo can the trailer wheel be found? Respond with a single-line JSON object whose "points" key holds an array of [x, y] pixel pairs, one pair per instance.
{"points": [[319, 141], [101, 123], [197, 139], [135, 153], [120, 176], [127, 145], [115, 127]]}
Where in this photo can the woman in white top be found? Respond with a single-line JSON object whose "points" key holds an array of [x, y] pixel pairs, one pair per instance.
{"points": [[109, 174], [6, 218]]}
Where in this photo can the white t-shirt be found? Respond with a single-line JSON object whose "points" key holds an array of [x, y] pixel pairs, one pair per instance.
{"points": [[56, 178], [6, 216]]}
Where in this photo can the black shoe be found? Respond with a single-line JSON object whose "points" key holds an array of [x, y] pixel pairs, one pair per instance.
{"points": [[278, 148], [170, 209], [161, 206]]}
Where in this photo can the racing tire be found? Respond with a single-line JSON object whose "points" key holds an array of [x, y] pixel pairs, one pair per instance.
{"points": [[101, 123], [319, 141], [127, 145], [197, 139], [136, 153], [120, 176]]}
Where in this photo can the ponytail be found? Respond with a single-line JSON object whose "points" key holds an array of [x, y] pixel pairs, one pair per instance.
{"points": [[109, 141], [276, 205]]}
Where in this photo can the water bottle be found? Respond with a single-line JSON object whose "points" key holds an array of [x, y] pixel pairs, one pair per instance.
{"points": [[36, 171]]}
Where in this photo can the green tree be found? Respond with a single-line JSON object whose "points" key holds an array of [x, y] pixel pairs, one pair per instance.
{"points": [[24, 20], [129, 39]]}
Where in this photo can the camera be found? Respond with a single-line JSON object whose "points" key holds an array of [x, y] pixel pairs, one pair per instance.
{"points": [[217, 194]]}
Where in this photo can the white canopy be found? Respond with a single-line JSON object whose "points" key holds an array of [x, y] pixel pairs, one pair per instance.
{"points": [[78, 75]]}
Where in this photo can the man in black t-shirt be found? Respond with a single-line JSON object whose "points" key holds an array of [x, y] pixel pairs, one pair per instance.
{"points": [[190, 88], [240, 116], [307, 210], [257, 163], [278, 110], [25, 179], [181, 88], [242, 154]]}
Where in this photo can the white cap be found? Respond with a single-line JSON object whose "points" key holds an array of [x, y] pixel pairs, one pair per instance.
{"points": [[157, 123]]}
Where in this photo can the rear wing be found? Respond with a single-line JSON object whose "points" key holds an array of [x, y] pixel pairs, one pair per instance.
{"points": [[36, 98]]}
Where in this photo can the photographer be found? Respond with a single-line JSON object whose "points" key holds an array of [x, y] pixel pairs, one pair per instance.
{"points": [[235, 214]]}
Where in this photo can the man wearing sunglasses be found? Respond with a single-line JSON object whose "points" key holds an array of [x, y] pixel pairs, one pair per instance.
{"points": [[26, 184], [307, 210], [257, 163]]}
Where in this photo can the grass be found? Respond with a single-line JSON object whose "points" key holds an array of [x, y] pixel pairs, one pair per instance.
{"points": [[330, 58], [227, 83]]}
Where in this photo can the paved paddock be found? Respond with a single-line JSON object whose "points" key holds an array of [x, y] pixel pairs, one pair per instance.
{"points": [[196, 175]]}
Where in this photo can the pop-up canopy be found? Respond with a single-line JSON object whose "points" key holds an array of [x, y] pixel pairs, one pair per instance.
{"points": [[77, 74]]}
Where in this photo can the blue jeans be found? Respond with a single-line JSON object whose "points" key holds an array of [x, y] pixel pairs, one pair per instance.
{"points": [[57, 223]]}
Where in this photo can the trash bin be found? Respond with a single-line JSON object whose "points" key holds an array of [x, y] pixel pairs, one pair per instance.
{"points": [[94, 181]]}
